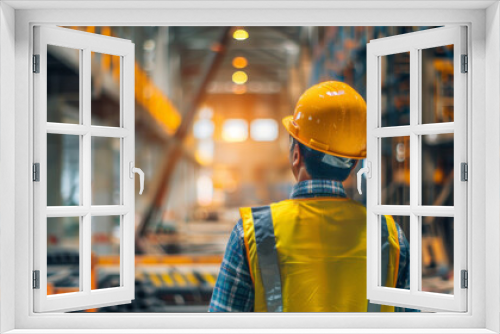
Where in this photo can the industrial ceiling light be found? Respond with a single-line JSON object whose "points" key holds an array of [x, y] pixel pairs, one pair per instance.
{"points": [[204, 153], [240, 77], [203, 129], [235, 130], [239, 89], [240, 34], [240, 62], [264, 129]]}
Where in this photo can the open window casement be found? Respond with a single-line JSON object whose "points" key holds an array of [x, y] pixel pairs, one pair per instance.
{"points": [[412, 134], [89, 208]]}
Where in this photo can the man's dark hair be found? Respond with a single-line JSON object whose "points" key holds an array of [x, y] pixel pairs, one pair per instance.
{"points": [[319, 165]]}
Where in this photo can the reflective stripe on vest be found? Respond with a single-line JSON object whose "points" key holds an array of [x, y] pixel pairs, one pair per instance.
{"points": [[265, 266], [268, 257]]}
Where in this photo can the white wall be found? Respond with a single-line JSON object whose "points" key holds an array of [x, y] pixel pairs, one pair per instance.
{"points": [[7, 159], [492, 162]]}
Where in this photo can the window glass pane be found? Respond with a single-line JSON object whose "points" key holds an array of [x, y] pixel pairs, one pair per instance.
{"points": [[105, 89], [63, 84], [63, 170], [437, 169], [395, 89], [106, 236], [63, 255], [401, 281], [395, 171], [437, 254], [437, 84], [106, 171]]}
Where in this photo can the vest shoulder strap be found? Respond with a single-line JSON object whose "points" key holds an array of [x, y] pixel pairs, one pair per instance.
{"points": [[268, 263]]}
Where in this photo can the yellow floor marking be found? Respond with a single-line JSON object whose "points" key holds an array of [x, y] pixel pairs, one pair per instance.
{"points": [[209, 278], [190, 277], [167, 279], [155, 279], [179, 279]]}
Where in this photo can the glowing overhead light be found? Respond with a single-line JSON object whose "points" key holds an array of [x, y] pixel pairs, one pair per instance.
{"points": [[239, 89], [204, 154], [240, 77], [240, 34], [206, 113], [264, 129], [149, 45], [240, 62], [203, 129], [235, 130]]}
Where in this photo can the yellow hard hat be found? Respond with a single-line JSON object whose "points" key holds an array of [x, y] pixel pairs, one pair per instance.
{"points": [[330, 117]]}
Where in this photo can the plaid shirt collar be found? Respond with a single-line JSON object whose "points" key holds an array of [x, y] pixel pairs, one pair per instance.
{"points": [[318, 188]]}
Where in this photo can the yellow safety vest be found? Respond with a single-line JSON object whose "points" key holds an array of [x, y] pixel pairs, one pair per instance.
{"points": [[309, 255]]}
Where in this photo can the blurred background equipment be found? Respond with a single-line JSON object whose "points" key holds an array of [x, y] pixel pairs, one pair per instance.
{"points": [[209, 101]]}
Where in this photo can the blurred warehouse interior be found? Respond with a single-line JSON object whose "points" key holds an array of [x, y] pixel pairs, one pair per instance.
{"points": [[209, 104]]}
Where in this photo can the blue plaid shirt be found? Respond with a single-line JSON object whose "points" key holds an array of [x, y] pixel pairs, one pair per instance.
{"points": [[234, 291]]}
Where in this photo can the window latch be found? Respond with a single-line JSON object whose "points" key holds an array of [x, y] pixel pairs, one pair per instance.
{"points": [[365, 170], [139, 171]]}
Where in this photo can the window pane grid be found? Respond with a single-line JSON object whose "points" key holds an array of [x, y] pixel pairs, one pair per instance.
{"points": [[434, 161], [415, 210], [85, 131]]}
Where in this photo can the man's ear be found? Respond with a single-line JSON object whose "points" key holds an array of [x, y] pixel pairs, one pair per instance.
{"points": [[296, 156]]}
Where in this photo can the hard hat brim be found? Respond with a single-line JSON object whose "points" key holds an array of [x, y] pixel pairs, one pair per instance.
{"points": [[288, 124]]}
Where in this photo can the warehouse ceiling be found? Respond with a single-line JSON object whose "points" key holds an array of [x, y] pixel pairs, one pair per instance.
{"points": [[270, 52]]}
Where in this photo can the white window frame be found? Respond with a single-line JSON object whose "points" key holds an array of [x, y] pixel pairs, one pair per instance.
{"points": [[414, 43], [85, 43], [483, 21]]}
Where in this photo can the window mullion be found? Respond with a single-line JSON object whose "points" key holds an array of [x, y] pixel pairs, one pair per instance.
{"points": [[414, 170], [85, 248]]}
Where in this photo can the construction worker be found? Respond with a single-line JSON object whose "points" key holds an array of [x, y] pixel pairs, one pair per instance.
{"points": [[308, 253]]}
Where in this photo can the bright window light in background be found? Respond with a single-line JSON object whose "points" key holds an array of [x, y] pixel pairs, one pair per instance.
{"points": [[240, 34], [240, 77], [240, 62], [203, 129], [235, 130], [205, 190], [264, 129]]}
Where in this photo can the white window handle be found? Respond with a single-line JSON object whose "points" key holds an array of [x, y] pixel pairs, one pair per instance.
{"points": [[139, 171], [368, 171]]}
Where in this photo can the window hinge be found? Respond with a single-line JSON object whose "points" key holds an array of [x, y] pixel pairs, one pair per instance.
{"points": [[464, 172], [465, 279], [465, 64], [36, 279], [36, 172], [36, 63]]}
